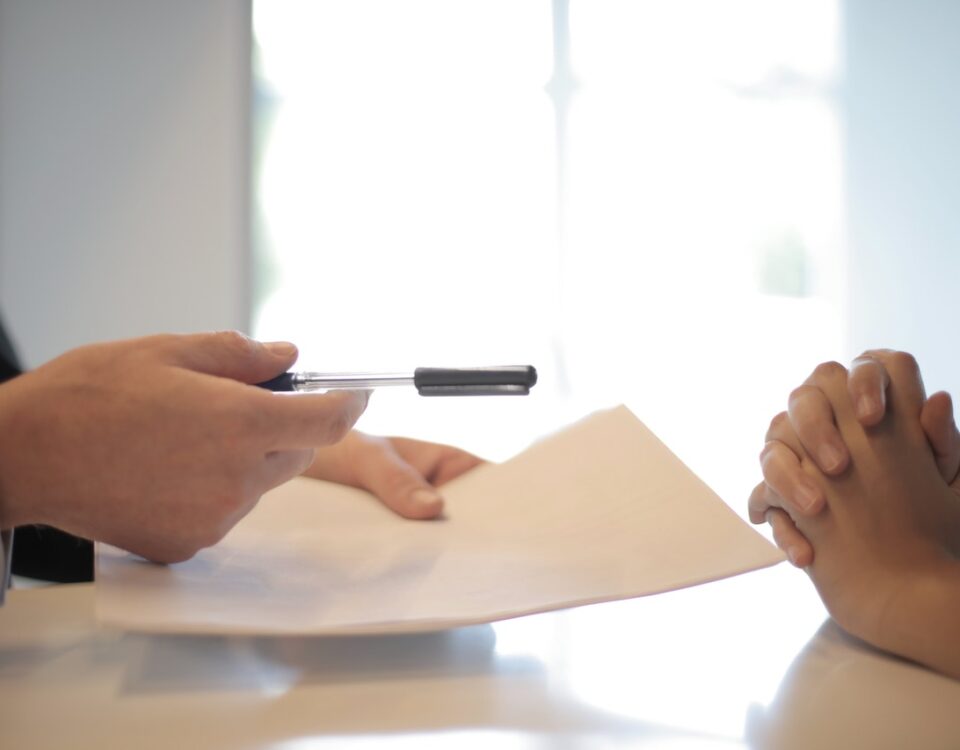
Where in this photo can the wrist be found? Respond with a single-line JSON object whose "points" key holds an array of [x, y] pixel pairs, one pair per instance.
{"points": [[7, 515], [12, 512], [922, 621]]}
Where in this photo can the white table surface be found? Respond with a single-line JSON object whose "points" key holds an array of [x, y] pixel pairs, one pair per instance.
{"points": [[747, 662]]}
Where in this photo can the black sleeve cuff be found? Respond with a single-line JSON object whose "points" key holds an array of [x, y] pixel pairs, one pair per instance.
{"points": [[49, 554]]}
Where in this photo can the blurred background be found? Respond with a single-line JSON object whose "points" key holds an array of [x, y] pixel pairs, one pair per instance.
{"points": [[682, 206]]}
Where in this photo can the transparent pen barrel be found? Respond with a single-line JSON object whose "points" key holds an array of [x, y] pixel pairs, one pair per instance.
{"points": [[319, 381]]}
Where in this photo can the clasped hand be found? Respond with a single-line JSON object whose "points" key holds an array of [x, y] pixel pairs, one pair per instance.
{"points": [[861, 489]]}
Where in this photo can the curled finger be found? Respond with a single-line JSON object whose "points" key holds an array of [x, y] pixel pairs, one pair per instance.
{"points": [[867, 386], [812, 417], [941, 431], [905, 389], [784, 475], [788, 538], [761, 500]]}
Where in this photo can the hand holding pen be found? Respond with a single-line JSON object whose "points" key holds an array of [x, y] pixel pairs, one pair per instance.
{"points": [[429, 381], [174, 434]]}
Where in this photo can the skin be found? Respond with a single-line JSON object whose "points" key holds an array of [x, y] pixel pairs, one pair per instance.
{"points": [[885, 540], [786, 493], [403, 473], [158, 446]]}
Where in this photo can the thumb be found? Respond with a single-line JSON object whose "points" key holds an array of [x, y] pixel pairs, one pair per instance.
{"points": [[397, 484], [230, 354], [938, 424]]}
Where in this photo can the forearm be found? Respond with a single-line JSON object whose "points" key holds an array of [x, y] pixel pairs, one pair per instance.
{"points": [[18, 484], [924, 623], [9, 516]]}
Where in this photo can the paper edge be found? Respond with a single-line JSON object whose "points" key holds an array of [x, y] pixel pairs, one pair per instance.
{"points": [[400, 627], [397, 627]]}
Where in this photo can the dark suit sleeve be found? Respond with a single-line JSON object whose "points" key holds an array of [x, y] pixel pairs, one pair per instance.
{"points": [[44, 552], [9, 368]]}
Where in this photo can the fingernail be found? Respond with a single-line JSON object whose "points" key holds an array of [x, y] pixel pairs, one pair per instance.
{"points": [[867, 406], [807, 496], [281, 348], [425, 497], [793, 555], [830, 458]]}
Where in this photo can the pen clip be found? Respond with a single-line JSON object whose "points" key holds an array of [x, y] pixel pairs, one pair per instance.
{"points": [[485, 381]]}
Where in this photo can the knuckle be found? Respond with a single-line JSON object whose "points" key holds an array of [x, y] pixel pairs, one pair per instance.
{"points": [[250, 421], [163, 342], [286, 465], [234, 427], [304, 460], [828, 371], [878, 355], [371, 449], [768, 459], [780, 537], [777, 425], [221, 519], [800, 393], [237, 343], [765, 450], [782, 525], [758, 502], [398, 483], [340, 418], [225, 503], [241, 423], [338, 425], [209, 536], [904, 361], [177, 552], [867, 361], [778, 465]]}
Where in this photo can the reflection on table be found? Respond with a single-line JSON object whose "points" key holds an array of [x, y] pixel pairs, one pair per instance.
{"points": [[743, 662]]}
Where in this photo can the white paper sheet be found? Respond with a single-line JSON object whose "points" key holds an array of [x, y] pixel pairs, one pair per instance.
{"points": [[600, 511]]}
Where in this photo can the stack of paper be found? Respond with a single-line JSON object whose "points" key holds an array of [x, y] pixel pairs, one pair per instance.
{"points": [[600, 511]]}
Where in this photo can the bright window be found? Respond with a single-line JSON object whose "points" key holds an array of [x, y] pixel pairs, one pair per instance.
{"points": [[641, 199]]}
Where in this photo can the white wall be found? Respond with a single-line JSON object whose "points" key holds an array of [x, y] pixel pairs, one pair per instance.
{"points": [[902, 116], [123, 169]]}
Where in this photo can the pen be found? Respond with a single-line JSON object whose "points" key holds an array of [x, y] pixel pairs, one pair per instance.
{"points": [[429, 381]]}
